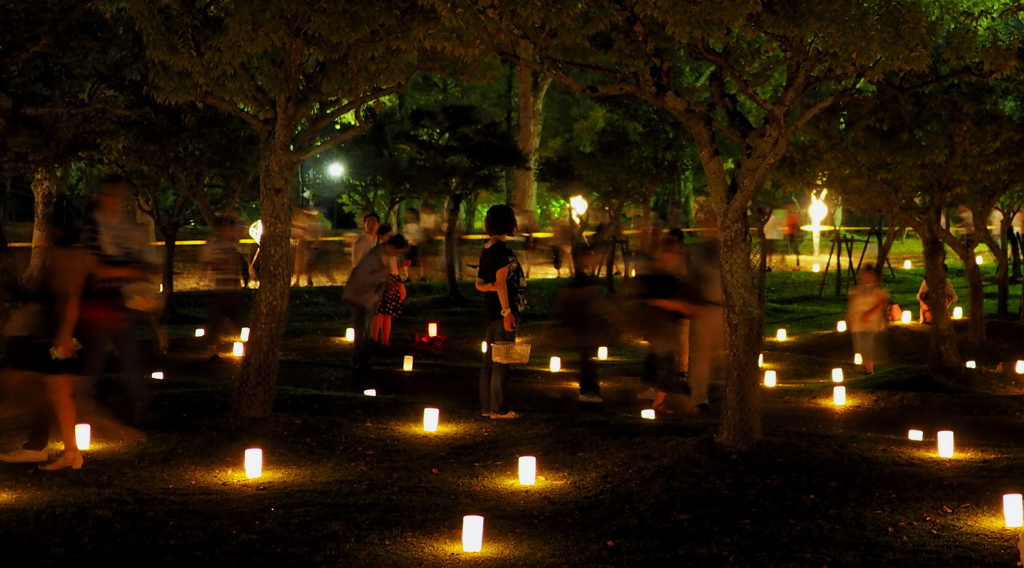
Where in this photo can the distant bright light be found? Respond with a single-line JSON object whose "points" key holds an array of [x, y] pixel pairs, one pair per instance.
{"points": [[916, 435], [837, 375], [244, 335], [602, 353], [770, 379], [906, 316], [335, 170], [971, 365], [841, 326], [256, 231], [158, 375], [858, 359], [647, 413], [978, 259], [370, 392], [238, 349], [815, 267], [907, 264], [958, 313], [780, 335], [579, 205]]}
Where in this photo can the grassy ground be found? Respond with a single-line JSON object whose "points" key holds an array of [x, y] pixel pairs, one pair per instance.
{"points": [[352, 481]]}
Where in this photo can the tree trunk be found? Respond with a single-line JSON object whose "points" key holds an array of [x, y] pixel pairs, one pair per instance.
{"points": [[254, 394], [976, 292], [1002, 269], [46, 187], [451, 243], [170, 234], [744, 334], [943, 352], [1015, 248], [885, 246], [531, 90]]}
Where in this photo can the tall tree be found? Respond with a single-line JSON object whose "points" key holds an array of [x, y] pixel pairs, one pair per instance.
{"points": [[741, 78], [299, 74]]}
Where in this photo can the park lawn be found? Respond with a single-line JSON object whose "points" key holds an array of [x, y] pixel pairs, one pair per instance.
{"points": [[352, 481]]}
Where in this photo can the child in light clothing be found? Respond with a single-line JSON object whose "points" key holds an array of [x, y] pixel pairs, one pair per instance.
{"points": [[865, 315]]}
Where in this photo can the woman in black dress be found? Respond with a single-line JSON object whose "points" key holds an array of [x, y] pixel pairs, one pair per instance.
{"points": [[501, 279]]}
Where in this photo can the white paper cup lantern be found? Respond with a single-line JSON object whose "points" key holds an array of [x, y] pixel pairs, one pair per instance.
{"points": [[647, 413], [858, 359], [238, 349], [555, 365], [769, 379], [906, 316], [253, 463], [841, 326], [815, 267], [527, 470], [83, 436], [1013, 510], [915, 435], [431, 330], [837, 375], [1019, 367], [200, 332], [602, 353], [158, 375], [978, 259], [958, 313], [483, 347], [472, 533], [407, 363], [244, 334], [370, 392], [839, 395], [907, 264], [431, 416], [971, 365], [350, 334], [946, 444], [760, 359], [781, 334]]}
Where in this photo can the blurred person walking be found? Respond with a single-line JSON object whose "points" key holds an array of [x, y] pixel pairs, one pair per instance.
{"points": [[363, 293], [416, 236], [42, 349], [219, 260], [501, 279], [367, 239], [865, 315], [581, 311], [119, 255]]}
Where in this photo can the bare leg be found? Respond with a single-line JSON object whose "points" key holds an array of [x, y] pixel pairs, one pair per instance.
{"points": [[375, 326], [59, 389], [386, 329]]}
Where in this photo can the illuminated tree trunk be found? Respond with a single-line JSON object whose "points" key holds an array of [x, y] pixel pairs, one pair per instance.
{"points": [[451, 243], [531, 90], [976, 293], [942, 349], [254, 393], [46, 187], [744, 334]]}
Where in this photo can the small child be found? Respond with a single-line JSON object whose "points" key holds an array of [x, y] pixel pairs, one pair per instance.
{"points": [[866, 315]]}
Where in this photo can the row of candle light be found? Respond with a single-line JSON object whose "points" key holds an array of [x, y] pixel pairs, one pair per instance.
{"points": [[906, 264]]}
